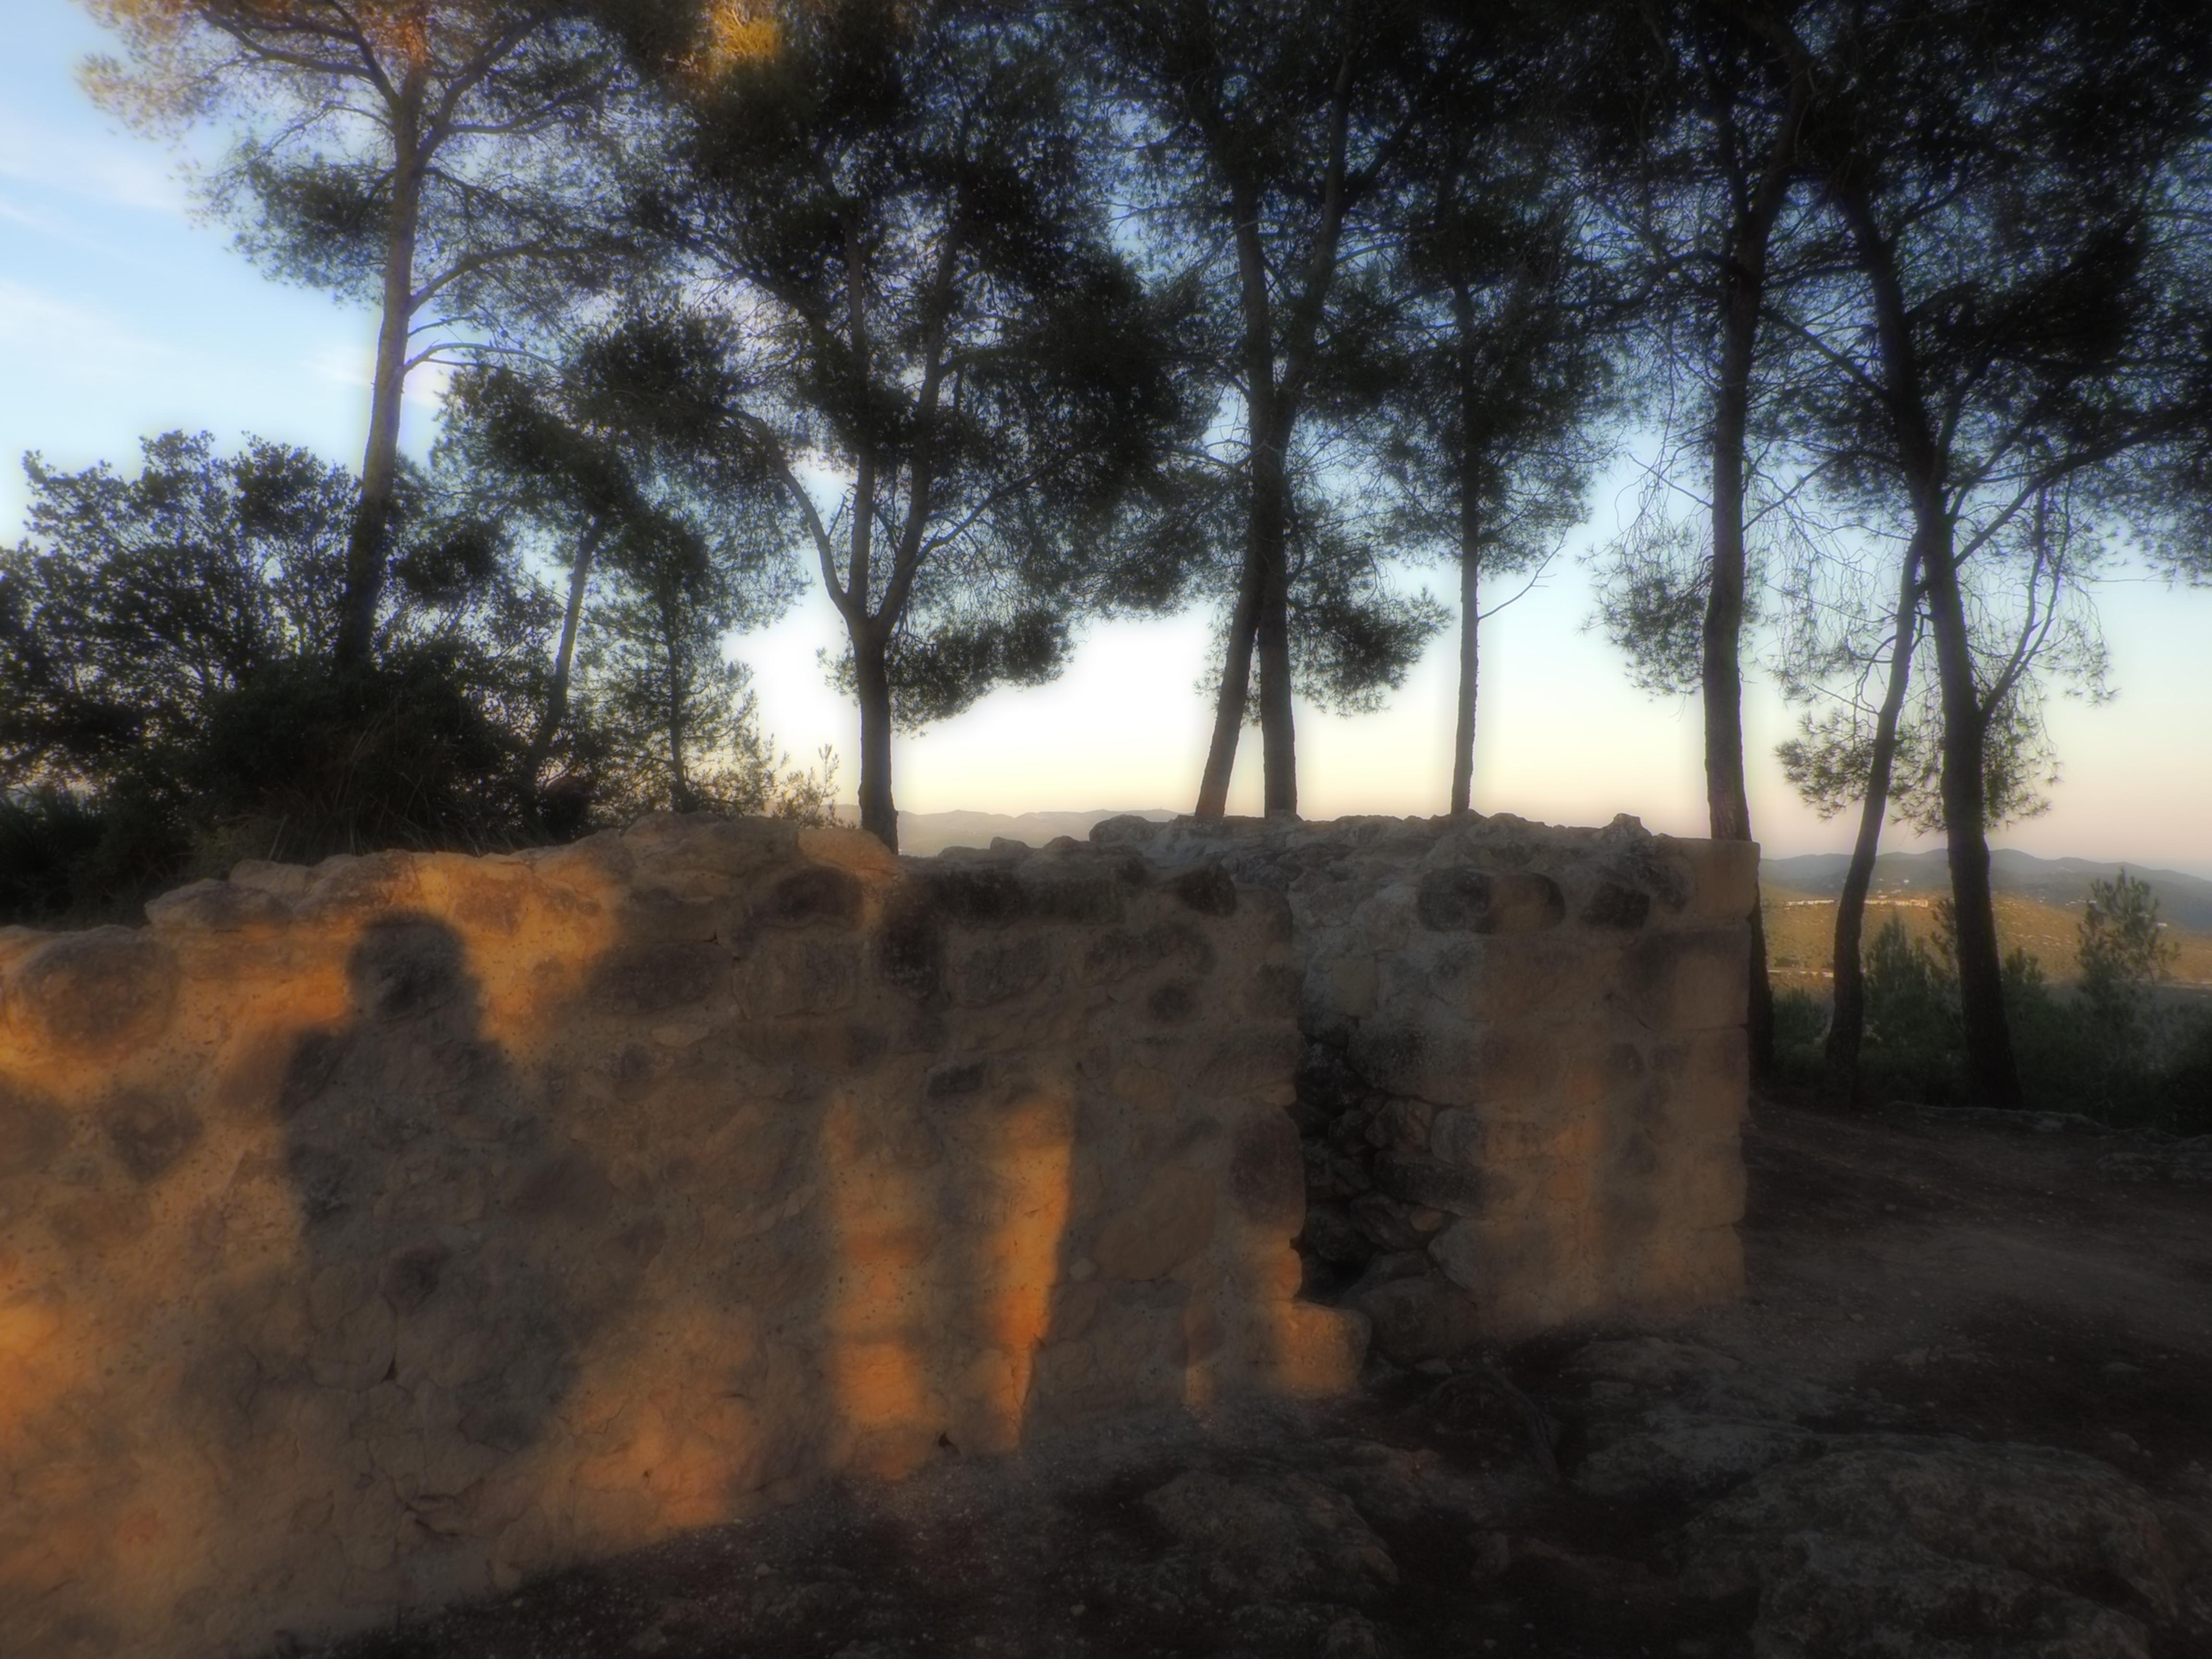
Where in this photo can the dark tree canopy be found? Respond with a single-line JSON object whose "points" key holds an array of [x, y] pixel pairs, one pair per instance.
{"points": [[167, 681], [432, 159], [634, 459], [896, 199], [1264, 133]]}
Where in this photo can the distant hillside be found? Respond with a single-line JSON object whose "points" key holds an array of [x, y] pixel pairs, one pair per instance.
{"points": [[2185, 901], [924, 833]]}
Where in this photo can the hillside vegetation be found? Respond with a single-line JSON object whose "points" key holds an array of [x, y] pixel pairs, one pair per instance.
{"points": [[1800, 935]]}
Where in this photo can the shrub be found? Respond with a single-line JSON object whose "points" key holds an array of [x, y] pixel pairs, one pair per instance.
{"points": [[47, 836], [2115, 1047], [398, 753], [169, 703], [1913, 1046], [1801, 1026]]}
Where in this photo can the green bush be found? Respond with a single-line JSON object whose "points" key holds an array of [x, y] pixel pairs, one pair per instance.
{"points": [[1913, 1046], [1801, 1026], [48, 838], [169, 702], [398, 753], [1801, 1020], [2116, 1047]]}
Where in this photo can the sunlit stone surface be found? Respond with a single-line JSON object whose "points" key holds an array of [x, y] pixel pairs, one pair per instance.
{"points": [[378, 1234]]}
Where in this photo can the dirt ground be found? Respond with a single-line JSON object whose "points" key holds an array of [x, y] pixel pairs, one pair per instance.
{"points": [[1987, 1283], [1931, 1302]]}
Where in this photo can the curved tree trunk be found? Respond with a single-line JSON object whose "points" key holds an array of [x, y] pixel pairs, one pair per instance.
{"points": [[1758, 203], [1470, 619], [1470, 555], [873, 680], [1260, 625], [1470, 622], [379, 465], [1278, 735], [1839, 1082], [679, 785], [1259, 622], [1229, 702], [1727, 805], [1992, 1073], [564, 657]]}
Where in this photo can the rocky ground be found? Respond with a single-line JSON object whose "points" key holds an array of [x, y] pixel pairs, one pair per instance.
{"points": [[1965, 1412]]}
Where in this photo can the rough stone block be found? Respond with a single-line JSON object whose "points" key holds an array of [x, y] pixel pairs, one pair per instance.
{"points": [[1703, 1081], [217, 907], [1130, 1353], [1470, 900], [1266, 1173], [808, 975], [91, 995], [1444, 1063], [1723, 879], [1690, 981], [1570, 979], [654, 978], [1420, 1318], [1170, 1221]]}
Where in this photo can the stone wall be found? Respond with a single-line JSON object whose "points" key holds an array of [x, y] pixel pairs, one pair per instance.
{"points": [[376, 1235], [1526, 1065]]}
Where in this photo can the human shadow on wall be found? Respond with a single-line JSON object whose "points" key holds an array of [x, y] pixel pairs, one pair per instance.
{"points": [[456, 1247], [705, 1242]]}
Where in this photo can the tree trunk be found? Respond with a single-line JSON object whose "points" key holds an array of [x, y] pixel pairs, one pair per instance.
{"points": [[1470, 621], [1726, 805], [1261, 622], [872, 679], [679, 787], [1249, 626], [1229, 702], [1992, 1075], [556, 695], [1470, 545], [1277, 735], [1839, 1081], [379, 465]]}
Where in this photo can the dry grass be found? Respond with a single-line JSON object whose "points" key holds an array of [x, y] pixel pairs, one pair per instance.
{"points": [[1801, 930]]}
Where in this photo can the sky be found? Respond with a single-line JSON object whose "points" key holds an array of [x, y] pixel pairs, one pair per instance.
{"points": [[123, 315]]}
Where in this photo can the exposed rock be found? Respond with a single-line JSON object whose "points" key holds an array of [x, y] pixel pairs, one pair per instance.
{"points": [[1274, 1535], [1898, 1545], [91, 995], [1827, 1597], [1414, 1318], [1445, 965], [2185, 1162], [1691, 1458], [1352, 1638]]}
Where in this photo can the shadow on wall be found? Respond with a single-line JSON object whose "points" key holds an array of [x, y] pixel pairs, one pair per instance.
{"points": [[374, 1236]]}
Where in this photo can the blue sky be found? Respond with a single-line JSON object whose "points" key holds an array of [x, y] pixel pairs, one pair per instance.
{"points": [[120, 315]]}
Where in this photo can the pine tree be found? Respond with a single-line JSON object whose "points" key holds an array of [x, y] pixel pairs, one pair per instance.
{"points": [[421, 156], [1266, 132], [2002, 174], [1506, 332], [898, 198]]}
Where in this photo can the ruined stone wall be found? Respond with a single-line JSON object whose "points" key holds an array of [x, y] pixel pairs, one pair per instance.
{"points": [[1526, 1065], [376, 1235]]}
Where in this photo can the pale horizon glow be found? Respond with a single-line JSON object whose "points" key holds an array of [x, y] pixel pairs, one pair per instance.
{"points": [[122, 317]]}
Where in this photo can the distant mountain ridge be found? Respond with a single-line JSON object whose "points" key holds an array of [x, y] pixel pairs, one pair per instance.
{"points": [[2184, 901]]}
